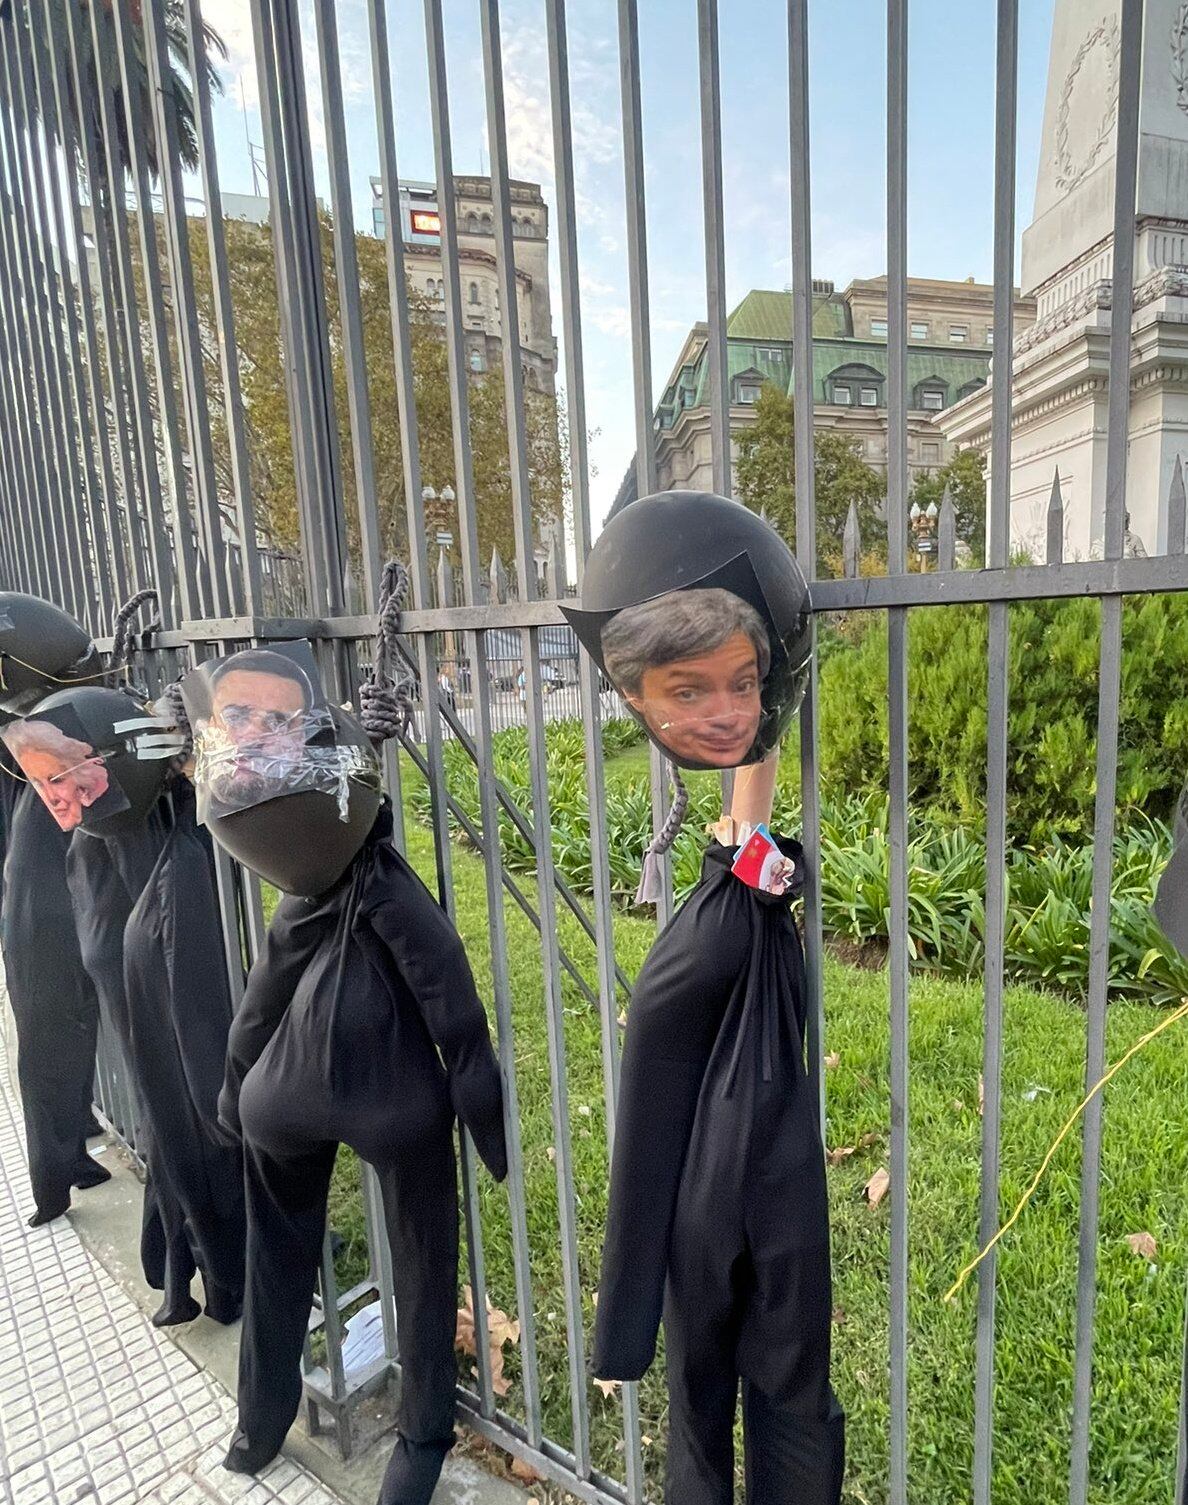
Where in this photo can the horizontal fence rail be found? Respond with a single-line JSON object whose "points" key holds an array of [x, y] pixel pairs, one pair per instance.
{"points": [[130, 457]]}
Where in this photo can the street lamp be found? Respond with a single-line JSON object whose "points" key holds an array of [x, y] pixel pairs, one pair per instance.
{"points": [[923, 526]]}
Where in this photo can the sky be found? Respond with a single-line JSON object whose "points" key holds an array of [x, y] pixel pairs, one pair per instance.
{"points": [[950, 149]]}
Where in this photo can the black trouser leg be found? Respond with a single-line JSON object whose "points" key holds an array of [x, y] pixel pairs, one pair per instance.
{"points": [[55, 1069], [421, 1211], [178, 1304], [700, 1332], [286, 1210], [793, 1427]]}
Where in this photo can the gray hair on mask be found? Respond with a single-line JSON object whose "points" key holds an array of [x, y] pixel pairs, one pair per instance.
{"points": [[682, 624]]}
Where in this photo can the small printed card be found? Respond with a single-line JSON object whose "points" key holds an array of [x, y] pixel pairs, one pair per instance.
{"points": [[761, 864]]}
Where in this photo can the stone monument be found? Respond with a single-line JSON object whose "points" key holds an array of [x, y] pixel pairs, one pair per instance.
{"points": [[1060, 379]]}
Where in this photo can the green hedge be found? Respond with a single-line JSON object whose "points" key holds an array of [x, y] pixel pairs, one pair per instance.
{"points": [[1053, 711], [1047, 933]]}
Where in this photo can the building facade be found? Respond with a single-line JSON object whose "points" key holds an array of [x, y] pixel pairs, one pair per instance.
{"points": [[1060, 365], [482, 314], [950, 338]]}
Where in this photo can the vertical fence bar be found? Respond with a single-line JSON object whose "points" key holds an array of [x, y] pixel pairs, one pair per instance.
{"points": [[806, 522], [641, 348], [29, 476], [97, 594], [897, 722], [998, 543], [1109, 691], [208, 168], [546, 894], [467, 527], [177, 542], [78, 148], [715, 241], [25, 306], [211, 562], [296, 231], [591, 705], [115, 220], [69, 530]]}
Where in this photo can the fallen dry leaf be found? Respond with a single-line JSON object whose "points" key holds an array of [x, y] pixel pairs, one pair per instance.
{"points": [[832, 1061], [877, 1187], [1143, 1244], [868, 1139], [835, 1157], [501, 1330], [623, 1019], [524, 1472], [646, 1440], [981, 1095], [607, 1387], [552, 1154], [957, 1105], [839, 1316]]}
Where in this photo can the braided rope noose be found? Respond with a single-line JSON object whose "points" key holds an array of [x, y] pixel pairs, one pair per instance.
{"points": [[386, 699]]}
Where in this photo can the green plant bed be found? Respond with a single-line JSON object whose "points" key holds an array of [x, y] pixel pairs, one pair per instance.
{"points": [[1138, 1352], [1049, 887]]}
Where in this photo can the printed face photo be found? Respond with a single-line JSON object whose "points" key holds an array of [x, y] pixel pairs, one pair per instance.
{"points": [[691, 665], [254, 714], [59, 762]]}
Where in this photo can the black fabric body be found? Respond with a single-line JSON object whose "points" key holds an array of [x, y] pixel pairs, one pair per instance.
{"points": [[53, 999], [718, 1211], [360, 1025], [178, 1018]]}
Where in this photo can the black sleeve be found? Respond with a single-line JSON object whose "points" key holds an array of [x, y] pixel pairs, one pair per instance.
{"points": [[291, 940], [676, 1011], [428, 953]]}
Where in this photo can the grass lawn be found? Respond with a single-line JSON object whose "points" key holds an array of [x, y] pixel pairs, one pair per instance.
{"points": [[1140, 1318]]}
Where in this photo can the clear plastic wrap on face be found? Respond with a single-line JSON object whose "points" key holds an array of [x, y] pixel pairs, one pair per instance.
{"points": [[263, 730]]}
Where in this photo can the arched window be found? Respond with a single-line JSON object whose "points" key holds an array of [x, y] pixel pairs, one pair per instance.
{"points": [[855, 385], [486, 224], [472, 224], [474, 292], [931, 394]]}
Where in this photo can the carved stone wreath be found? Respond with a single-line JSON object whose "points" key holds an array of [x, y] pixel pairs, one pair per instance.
{"points": [[1179, 56], [1105, 33]]}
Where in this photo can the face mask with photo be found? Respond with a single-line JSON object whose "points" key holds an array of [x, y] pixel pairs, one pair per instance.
{"points": [[263, 729], [66, 769], [696, 611]]}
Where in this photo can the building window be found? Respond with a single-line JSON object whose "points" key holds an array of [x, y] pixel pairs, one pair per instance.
{"points": [[765, 352], [869, 397], [747, 392], [472, 224], [842, 395], [474, 292], [989, 334], [932, 402], [919, 331], [930, 453], [958, 334], [476, 360], [878, 328]]}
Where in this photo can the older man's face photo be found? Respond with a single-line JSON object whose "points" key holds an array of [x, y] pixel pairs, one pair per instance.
{"points": [[705, 709]]}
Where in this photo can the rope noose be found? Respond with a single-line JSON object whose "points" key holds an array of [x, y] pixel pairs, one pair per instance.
{"points": [[386, 699], [121, 634], [170, 704], [650, 881]]}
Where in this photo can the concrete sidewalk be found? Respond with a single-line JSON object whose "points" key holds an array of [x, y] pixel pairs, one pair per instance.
{"points": [[98, 1406]]}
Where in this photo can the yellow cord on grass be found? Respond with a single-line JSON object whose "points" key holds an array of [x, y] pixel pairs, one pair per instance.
{"points": [[1058, 1141]]}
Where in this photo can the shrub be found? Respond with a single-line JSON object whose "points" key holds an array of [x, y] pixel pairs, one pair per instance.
{"points": [[1053, 687]]}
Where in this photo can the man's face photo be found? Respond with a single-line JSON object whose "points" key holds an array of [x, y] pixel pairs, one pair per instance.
{"points": [[253, 730]]}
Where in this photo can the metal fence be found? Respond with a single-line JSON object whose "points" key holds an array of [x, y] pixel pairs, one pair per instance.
{"points": [[109, 480]]}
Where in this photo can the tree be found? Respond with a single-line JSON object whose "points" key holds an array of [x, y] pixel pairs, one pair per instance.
{"points": [[965, 476], [765, 477], [180, 92], [266, 410]]}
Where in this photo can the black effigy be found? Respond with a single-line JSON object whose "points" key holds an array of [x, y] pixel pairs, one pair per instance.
{"points": [[178, 1017], [360, 1025], [718, 1216], [52, 997]]}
